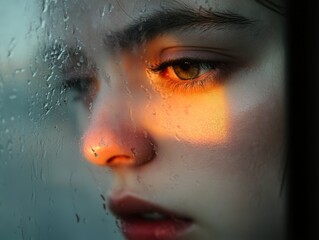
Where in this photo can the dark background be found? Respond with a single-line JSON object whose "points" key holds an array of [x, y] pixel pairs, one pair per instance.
{"points": [[303, 119]]}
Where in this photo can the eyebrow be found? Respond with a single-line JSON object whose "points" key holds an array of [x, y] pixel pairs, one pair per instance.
{"points": [[161, 21], [277, 8]]}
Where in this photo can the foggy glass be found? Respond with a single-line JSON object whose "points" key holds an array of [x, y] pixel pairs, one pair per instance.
{"points": [[48, 191], [181, 104]]}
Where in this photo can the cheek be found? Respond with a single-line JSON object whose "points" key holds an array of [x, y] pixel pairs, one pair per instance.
{"points": [[229, 132], [240, 180], [257, 123], [241, 164], [198, 119], [257, 140]]}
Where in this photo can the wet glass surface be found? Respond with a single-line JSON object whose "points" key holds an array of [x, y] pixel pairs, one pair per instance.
{"points": [[47, 189], [172, 112]]}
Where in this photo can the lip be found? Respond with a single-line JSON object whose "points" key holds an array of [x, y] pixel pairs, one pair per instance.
{"points": [[129, 210]]}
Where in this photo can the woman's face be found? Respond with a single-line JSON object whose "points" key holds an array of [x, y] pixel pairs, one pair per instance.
{"points": [[188, 113]]}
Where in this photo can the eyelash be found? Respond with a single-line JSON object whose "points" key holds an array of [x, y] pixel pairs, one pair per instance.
{"points": [[85, 87], [217, 71]]}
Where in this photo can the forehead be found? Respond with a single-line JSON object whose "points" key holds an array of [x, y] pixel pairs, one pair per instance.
{"points": [[114, 15], [117, 13], [88, 21]]}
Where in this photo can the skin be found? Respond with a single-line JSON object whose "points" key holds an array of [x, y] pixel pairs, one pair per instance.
{"points": [[214, 154]]}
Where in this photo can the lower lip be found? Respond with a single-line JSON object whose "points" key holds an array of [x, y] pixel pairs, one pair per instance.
{"points": [[142, 229]]}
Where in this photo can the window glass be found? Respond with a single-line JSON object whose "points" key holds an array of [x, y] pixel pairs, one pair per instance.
{"points": [[142, 119], [48, 191]]}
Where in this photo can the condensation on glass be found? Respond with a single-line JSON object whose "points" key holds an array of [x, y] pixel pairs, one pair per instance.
{"points": [[169, 112], [47, 189]]}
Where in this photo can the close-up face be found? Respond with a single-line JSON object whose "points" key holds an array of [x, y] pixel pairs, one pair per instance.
{"points": [[185, 104]]}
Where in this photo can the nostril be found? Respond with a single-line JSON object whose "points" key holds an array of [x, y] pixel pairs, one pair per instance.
{"points": [[103, 156], [112, 159], [120, 160], [117, 148]]}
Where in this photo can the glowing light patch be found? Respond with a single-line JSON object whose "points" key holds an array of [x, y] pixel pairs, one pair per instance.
{"points": [[104, 155], [198, 118]]}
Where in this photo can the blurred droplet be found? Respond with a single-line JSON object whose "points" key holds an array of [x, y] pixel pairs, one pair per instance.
{"points": [[45, 6], [145, 134], [20, 70], [110, 7], [133, 150], [13, 96], [11, 47], [139, 179], [143, 10], [177, 137], [118, 223]]}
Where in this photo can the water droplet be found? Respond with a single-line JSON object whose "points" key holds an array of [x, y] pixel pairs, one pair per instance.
{"points": [[66, 18], [45, 6], [12, 45], [139, 179], [42, 22], [174, 177], [102, 12], [94, 152], [33, 196], [111, 7], [143, 10], [102, 196], [177, 137], [13, 96], [164, 231], [145, 134], [118, 223], [1, 148], [133, 150]]}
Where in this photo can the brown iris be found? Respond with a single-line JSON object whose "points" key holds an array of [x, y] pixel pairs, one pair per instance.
{"points": [[186, 70]]}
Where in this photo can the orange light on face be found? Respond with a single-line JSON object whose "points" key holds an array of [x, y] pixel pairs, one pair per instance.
{"points": [[92, 153], [198, 118], [103, 154]]}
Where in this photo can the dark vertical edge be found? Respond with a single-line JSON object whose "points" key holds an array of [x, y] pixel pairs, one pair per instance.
{"points": [[303, 119]]}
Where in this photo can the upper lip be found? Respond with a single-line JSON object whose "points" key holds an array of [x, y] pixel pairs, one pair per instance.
{"points": [[130, 207]]}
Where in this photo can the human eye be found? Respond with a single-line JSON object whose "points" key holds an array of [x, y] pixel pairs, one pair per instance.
{"points": [[190, 73], [81, 87], [77, 73]]}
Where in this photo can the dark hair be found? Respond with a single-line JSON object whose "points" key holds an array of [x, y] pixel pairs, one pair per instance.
{"points": [[272, 6]]}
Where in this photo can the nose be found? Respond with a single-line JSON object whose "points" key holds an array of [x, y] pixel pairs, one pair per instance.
{"points": [[114, 140]]}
